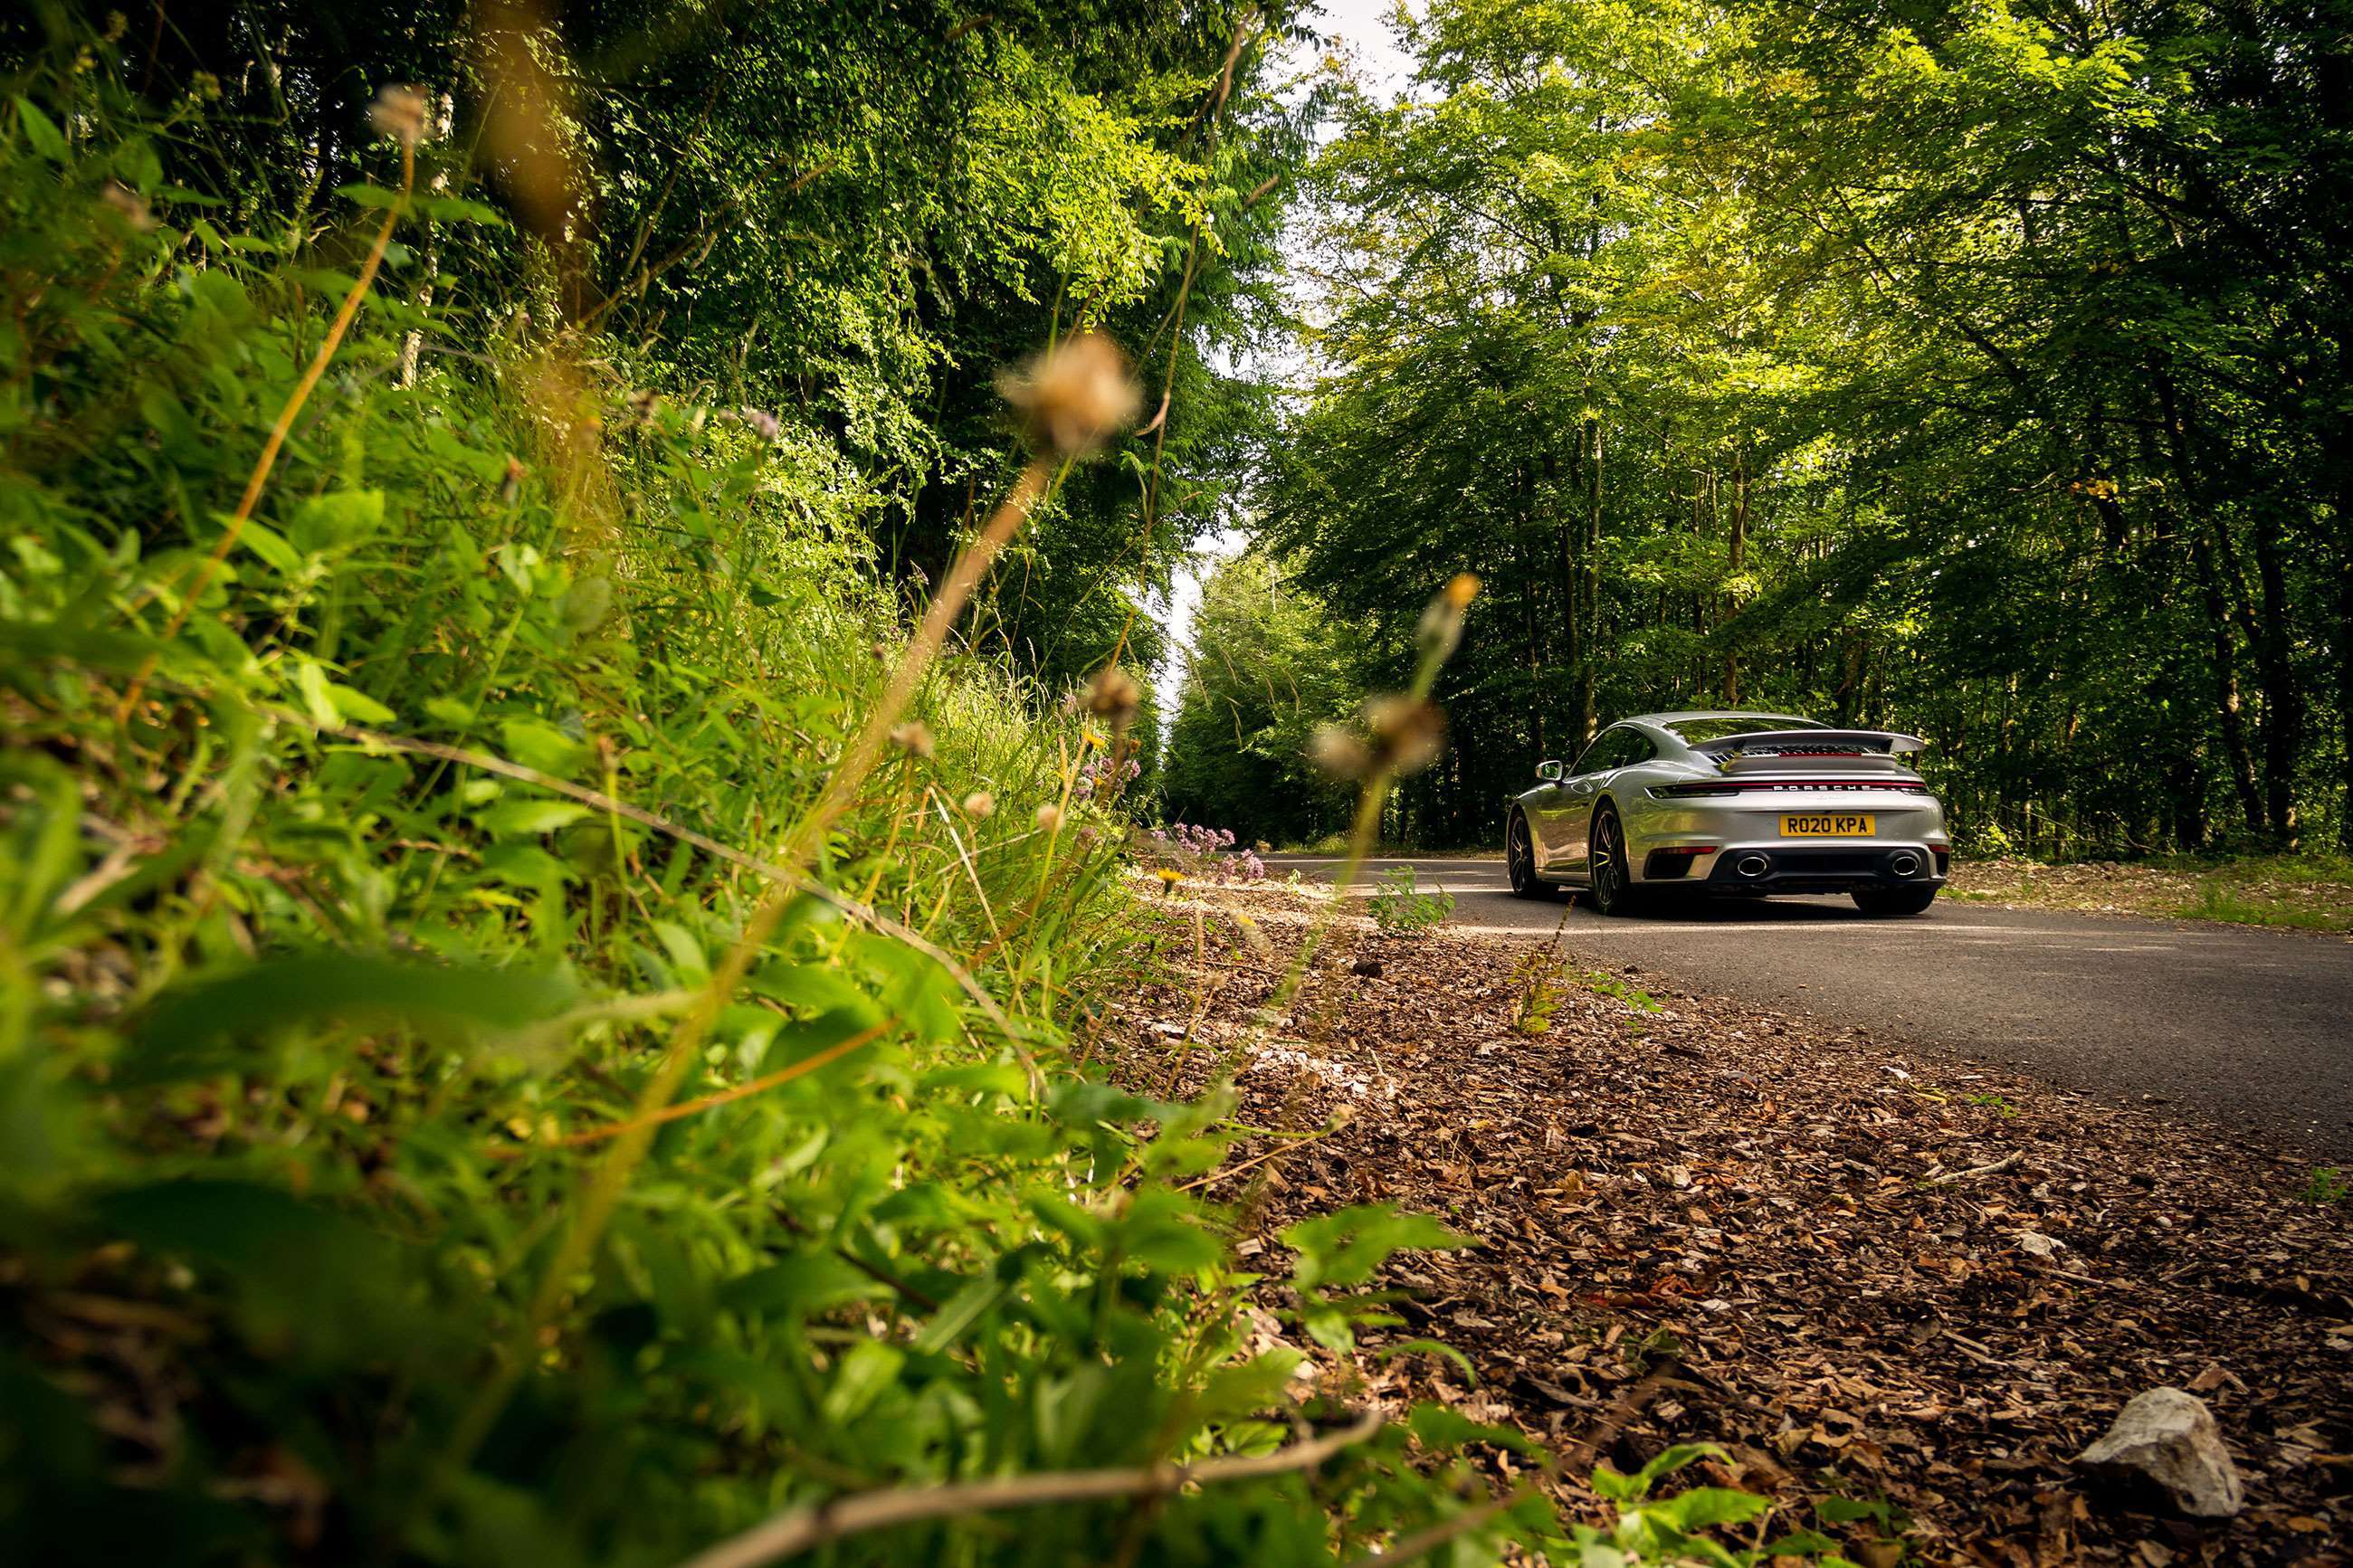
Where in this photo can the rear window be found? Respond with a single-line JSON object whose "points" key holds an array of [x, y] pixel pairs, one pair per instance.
{"points": [[1699, 732]]}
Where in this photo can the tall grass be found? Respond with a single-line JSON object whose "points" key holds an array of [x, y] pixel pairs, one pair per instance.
{"points": [[378, 817]]}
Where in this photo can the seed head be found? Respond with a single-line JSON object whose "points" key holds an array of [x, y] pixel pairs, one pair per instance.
{"points": [[979, 804], [129, 205], [1407, 733], [914, 737], [1073, 398], [1442, 623], [1113, 697], [399, 112], [1049, 818], [1338, 753]]}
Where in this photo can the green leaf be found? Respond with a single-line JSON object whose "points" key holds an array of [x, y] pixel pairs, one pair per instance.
{"points": [[41, 131], [959, 1313], [1701, 1507], [318, 700], [212, 1025], [374, 196], [1345, 1247], [804, 1283], [870, 1368], [268, 543], [1433, 1347], [517, 818], [1670, 1460], [457, 210]]}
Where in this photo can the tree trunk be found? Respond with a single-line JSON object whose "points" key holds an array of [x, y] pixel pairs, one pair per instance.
{"points": [[1592, 576], [2226, 686]]}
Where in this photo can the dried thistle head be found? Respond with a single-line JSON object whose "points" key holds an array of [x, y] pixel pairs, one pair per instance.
{"points": [[1113, 697], [1338, 753], [1407, 733], [979, 804], [1049, 818], [399, 112], [129, 205], [1073, 398], [914, 738], [1442, 623]]}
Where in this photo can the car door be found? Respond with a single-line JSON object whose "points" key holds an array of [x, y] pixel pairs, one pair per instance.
{"points": [[1566, 809], [1619, 748]]}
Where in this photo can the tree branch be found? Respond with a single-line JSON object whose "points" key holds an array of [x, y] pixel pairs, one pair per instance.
{"points": [[790, 1533]]}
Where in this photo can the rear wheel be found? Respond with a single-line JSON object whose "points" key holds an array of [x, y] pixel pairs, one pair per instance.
{"points": [[1883, 904], [1613, 885], [1520, 856]]}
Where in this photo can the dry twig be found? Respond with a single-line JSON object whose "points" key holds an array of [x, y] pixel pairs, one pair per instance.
{"points": [[791, 1533]]}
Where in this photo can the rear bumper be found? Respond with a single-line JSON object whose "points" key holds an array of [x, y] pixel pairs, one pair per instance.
{"points": [[1752, 869]]}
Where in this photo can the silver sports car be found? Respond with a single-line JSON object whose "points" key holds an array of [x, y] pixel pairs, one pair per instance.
{"points": [[1733, 804]]}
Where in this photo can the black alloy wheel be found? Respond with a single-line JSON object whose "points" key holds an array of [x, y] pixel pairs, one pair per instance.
{"points": [[1520, 859], [1613, 885]]}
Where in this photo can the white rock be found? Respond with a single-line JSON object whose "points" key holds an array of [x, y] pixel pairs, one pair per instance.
{"points": [[2169, 1437], [2034, 1244]]}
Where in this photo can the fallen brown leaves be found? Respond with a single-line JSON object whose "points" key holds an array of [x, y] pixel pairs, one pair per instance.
{"points": [[1858, 1270]]}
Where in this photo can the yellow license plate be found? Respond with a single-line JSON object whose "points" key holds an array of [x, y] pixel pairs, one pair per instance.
{"points": [[1826, 825]]}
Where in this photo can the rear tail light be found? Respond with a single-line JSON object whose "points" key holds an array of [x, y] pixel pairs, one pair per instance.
{"points": [[1745, 786]]}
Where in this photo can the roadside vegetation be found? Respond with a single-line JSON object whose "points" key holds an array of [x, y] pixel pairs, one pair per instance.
{"points": [[2307, 892], [565, 827]]}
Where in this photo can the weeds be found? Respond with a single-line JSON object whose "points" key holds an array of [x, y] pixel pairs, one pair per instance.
{"points": [[2328, 1185], [1541, 984], [1400, 909]]}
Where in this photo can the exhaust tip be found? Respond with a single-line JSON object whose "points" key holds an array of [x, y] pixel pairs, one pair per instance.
{"points": [[1751, 865], [1903, 863]]}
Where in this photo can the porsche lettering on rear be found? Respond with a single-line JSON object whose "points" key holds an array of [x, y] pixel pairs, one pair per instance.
{"points": [[1733, 805]]}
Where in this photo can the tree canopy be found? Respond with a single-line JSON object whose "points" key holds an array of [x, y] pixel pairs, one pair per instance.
{"points": [[1980, 369]]}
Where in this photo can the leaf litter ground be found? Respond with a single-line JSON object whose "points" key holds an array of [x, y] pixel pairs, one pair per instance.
{"points": [[1861, 1270]]}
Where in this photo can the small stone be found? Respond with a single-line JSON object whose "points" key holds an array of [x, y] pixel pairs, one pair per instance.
{"points": [[2034, 1244], [2167, 1435]]}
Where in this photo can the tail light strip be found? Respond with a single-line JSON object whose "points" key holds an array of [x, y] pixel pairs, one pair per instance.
{"points": [[1737, 786]]}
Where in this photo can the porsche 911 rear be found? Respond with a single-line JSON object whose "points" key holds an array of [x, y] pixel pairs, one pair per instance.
{"points": [[1813, 811]]}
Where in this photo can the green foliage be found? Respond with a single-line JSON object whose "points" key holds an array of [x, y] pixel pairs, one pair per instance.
{"points": [[1633, 996], [1671, 1529], [2326, 1185], [1269, 664], [353, 894], [1399, 909], [1541, 984]]}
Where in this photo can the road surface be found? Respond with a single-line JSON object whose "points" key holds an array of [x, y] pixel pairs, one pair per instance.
{"points": [[2250, 1028]]}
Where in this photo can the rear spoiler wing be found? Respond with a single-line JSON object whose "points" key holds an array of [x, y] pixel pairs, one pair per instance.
{"points": [[1886, 742]]}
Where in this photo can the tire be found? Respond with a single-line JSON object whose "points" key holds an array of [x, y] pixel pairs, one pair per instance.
{"points": [[1889, 903], [1609, 880], [1520, 859]]}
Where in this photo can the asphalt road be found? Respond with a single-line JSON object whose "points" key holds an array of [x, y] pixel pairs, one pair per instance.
{"points": [[2251, 1030]]}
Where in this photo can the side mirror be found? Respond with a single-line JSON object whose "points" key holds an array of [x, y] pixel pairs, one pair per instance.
{"points": [[1548, 772]]}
